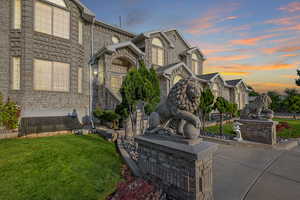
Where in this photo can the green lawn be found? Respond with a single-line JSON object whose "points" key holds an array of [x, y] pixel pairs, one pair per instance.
{"points": [[294, 132], [59, 167]]}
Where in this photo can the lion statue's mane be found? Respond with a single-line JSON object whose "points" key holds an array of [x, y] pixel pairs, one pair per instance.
{"points": [[255, 109], [181, 104]]}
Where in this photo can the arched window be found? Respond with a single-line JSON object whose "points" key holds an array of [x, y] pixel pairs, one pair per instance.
{"points": [[115, 39], [158, 55], [195, 62], [176, 79]]}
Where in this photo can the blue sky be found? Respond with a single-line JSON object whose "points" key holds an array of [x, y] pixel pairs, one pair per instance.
{"points": [[258, 41]]}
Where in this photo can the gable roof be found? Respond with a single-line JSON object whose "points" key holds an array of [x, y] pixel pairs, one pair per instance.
{"points": [[85, 9], [208, 77], [168, 69], [149, 33], [113, 48], [191, 50], [234, 82]]}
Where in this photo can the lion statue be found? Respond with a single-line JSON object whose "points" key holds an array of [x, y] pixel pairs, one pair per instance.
{"points": [[258, 109], [181, 104]]}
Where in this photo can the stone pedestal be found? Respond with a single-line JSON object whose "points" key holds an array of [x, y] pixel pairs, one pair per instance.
{"points": [[262, 131], [183, 170]]}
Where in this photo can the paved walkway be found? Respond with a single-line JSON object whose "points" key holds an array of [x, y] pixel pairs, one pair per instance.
{"points": [[248, 173]]}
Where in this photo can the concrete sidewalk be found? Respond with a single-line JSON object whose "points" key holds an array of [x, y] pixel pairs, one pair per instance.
{"points": [[256, 173]]}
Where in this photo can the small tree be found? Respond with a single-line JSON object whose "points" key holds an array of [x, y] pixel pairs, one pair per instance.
{"points": [[276, 101], [232, 109], [206, 106], [297, 81], [222, 105]]}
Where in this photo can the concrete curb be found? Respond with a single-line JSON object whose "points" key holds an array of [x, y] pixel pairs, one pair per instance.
{"points": [[283, 146], [130, 163]]}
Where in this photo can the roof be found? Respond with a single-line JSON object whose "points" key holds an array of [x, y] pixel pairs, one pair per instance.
{"points": [[113, 48], [234, 82], [115, 28], [190, 51], [168, 69], [208, 77], [85, 9], [148, 34]]}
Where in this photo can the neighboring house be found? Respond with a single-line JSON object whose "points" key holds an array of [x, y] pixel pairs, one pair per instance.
{"points": [[56, 57]]}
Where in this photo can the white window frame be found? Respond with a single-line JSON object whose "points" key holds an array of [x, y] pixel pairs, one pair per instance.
{"points": [[80, 79], [80, 32], [54, 23], [54, 82], [17, 14], [16, 73]]}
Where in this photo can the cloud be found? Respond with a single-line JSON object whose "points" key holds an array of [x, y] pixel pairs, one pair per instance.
{"points": [[235, 73], [289, 76], [289, 55], [136, 17], [270, 86], [285, 49], [247, 67], [252, 41], [291, 7], [229, 58], [208, 22], [284, 20]]}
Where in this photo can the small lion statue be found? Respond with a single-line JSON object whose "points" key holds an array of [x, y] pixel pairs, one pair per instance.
{"points": [[259, 109], [181, 104]]}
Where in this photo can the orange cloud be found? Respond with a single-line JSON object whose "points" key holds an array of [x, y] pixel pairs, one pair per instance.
{"points": [[289, 55], [286, 49], [291, 7], [289, 76], [270, 86], [235, 73], [252, 41], [244, 67], [229, 58]]}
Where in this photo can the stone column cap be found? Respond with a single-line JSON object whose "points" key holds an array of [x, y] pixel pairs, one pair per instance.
{"points": [[197, 151]]}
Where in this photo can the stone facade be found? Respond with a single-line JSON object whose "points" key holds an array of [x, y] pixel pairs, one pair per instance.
{"points": [[97, 46], [183, 171], [259, 131]]}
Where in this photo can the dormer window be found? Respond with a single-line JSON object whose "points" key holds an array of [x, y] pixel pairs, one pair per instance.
{"points": [[157, 52], [58, 2], [195, 61], [115, 39]]}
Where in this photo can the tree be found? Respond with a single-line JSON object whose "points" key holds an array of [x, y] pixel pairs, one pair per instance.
{"points": [[206, 106], [222, 105], [139, 86], [232, 109], [276, 104], [294, 104], [298, 79], [253, 92]]}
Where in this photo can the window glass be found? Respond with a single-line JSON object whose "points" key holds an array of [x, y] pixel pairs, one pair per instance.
{"points": [[17, 14], [101, 72], [157, 42], [116, 83], [80, 80], [42, 75], [115, 39], [80, 32], [58, 2], [16, 64], [61, 77], [61, 23], [43, 18]]}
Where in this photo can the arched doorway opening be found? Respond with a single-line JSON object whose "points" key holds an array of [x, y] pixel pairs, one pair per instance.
{"points": [[119, 69]]}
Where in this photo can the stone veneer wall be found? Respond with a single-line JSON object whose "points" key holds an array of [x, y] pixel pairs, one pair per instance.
{"points": [[4, 46], [183, 171]]}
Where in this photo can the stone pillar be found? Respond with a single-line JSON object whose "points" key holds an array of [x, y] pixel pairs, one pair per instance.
{"points": [[182, 170], [263, 131]]}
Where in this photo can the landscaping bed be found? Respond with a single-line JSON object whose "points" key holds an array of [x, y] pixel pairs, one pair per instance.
{"points": [[58, 167]]}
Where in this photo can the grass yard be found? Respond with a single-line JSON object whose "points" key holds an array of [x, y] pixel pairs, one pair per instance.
{"points": [[293, 132], [59, 167]]}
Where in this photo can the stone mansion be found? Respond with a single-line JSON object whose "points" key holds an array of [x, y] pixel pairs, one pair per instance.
{"points": [[55, 57]]}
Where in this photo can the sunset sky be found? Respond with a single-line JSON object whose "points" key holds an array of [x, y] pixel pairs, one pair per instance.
{"points": [[258, 41]]}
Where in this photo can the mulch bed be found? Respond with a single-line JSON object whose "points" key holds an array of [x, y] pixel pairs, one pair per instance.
{"points": [[133, 188]]}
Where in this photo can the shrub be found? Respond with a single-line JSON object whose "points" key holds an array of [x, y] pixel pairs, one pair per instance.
{"points": [[9, 114], [98, 112]]}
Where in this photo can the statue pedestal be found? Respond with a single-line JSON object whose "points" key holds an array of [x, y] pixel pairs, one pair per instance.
{"points": [[263, 131], [182, 169]]}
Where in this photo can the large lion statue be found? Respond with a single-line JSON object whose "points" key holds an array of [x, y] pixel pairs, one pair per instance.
{"points": [[258, 109], [181, 104]]}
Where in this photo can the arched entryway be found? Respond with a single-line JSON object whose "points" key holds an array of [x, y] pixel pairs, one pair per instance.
{"points": [[119, 68]]}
